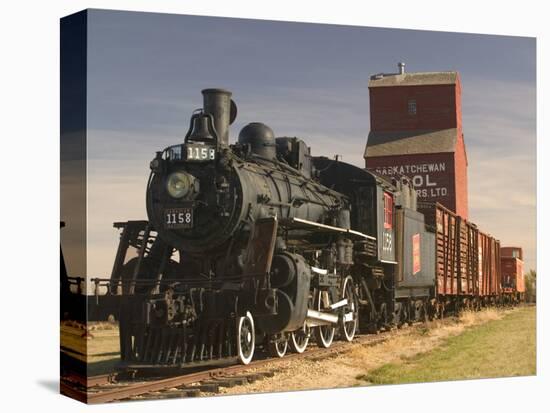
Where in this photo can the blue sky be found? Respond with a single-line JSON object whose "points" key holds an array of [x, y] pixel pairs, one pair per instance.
{"points": [[145, 73]]}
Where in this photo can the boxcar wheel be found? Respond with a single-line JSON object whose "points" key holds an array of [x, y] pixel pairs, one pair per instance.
{"points": [[424, 312]]}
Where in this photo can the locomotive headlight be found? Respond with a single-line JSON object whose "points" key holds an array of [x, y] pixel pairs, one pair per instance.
{"points": [[179, 184]]}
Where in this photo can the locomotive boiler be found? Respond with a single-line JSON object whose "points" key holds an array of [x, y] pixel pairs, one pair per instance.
{"points": [[202, 193]]}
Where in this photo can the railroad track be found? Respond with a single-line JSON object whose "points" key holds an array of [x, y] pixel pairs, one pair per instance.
{"points": [[110, 387]]}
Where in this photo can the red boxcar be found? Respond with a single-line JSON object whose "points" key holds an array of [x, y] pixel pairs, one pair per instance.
{"points": [[511, 252], [513, 277]]}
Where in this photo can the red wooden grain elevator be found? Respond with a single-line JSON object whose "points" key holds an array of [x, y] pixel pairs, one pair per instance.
{"points": [[416, 131]]}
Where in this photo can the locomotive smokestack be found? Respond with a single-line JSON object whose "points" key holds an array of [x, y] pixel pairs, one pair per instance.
{"points": [[218, 103]]}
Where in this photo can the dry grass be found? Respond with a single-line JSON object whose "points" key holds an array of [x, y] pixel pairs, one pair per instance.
{"points": [[98, 344], [349, 368]]}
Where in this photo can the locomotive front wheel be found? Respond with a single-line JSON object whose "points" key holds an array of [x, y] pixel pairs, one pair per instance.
{"points": [[324, 335], [277, 346], [245, 338], [299, 339], [348, 328]]}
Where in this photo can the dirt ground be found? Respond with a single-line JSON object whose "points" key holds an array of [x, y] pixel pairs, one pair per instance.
{"points": [[348, 368]]}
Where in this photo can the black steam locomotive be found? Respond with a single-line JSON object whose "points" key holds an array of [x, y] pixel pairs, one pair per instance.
{"points": [[260, 246]]}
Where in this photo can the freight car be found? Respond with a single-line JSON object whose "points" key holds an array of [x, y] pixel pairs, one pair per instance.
{"points": [[513, 277], [467, 261], [259, 244]]}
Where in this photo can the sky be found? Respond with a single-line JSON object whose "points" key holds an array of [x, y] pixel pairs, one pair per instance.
{"points": [[146, 71]]}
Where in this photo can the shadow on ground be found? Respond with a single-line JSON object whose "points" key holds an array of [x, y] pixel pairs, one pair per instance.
{"points": [[51, 385]]}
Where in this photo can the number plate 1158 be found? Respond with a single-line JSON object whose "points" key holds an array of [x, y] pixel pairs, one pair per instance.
{"points": [[200, 152], [176, 218]]}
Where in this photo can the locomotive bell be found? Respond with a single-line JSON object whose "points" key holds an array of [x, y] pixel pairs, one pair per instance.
{"points": [[200, 130], [261, 139]]}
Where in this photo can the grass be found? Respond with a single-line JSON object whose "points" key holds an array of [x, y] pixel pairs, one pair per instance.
{"points": [[101, 351], [498, 348]]}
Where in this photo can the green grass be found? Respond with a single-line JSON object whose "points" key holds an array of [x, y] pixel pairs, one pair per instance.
{"points": [[499, 348]]}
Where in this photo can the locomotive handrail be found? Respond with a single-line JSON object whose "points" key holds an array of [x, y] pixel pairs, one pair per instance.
{"points": [[243, 277], [187, 282], [299, 223]]}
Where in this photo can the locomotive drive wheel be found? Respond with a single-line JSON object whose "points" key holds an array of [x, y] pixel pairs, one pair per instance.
{"points": [[299, 339], [277, 346], [245, 338], [348, 328], [324, 335]]}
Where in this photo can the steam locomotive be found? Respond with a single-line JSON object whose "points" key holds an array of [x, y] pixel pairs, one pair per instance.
{"points": [[260, 246]]}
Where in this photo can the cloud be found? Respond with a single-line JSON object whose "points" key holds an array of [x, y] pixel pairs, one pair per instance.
{"points": [[500, 116], [502, 199], [116, 192], [498, 121]]}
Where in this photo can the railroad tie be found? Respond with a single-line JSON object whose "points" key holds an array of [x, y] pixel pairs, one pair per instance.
{"points": [[174, 394], [253, 377], [228, 381], [205, 387]]}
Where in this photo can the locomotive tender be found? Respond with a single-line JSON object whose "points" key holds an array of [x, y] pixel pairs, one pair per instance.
{"points": [[259, 244]]}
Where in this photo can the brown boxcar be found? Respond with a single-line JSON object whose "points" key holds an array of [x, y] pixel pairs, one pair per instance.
{"points": [[489, 266], [467, 260]]}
